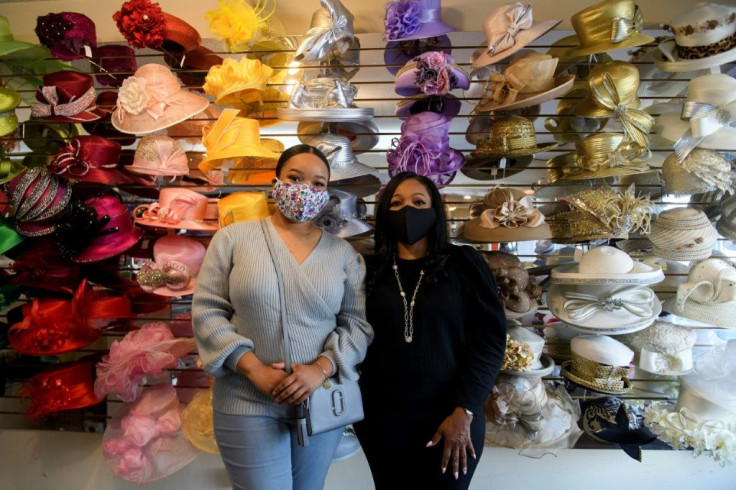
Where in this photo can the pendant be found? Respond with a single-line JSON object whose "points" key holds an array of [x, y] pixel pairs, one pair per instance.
{"points": [[408, 339]]}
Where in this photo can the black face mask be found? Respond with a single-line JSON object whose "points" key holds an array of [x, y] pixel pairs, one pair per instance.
{"points": [[410, 224]]}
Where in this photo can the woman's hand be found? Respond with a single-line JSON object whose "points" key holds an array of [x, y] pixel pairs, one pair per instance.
{"points": [[455, 430], [263, 377], [296, 387]]}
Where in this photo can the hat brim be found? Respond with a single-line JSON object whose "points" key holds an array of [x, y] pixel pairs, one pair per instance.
{"points": [[565, 371], [164, 291], [472, 230], [640, 274], [671, 127], [363, 135], [706, 314], [395, 57], [181, 106], [352, 228], [337, 114], [483, 155], [430, 29], [567, 160], [450, 105], [487, 168], [548, 365], [636, 39], [481, 58], [681, 65], [562, 85], [99, 253], [363, 186]]}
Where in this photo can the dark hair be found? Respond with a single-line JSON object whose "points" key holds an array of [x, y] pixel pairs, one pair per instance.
{"points": [[385, 241], [298, 150]]}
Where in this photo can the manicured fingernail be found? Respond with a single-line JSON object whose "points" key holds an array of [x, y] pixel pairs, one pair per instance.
{"points": [[456, 475], [465, 471], [444, 469]]}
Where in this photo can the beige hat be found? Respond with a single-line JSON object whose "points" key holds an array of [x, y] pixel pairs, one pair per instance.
{"points": [[726, 224], [600, 363], [701, 171], [682, 234], [541, 364], [606, 265]]}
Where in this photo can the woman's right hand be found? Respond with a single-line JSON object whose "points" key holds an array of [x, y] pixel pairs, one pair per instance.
{"points": [[265, 378]]}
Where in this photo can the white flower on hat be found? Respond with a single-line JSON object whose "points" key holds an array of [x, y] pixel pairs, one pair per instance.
{"points": [[132, 96]]}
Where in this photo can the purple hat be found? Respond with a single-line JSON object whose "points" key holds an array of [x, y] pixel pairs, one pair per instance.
{"points": [[431, 73], [424, 148], [413, 19], [399, 53], [66, 34], [448, 105]]}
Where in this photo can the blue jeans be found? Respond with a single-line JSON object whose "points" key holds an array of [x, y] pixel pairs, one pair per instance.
{"points": [[261, 453]]}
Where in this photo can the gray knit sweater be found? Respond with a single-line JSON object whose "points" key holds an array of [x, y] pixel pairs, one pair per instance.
{"points": [[235, 309]]}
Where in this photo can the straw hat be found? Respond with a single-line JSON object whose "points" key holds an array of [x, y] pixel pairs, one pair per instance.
{"points": [[242, 206], [152, 99], [541, 364], [414, 19], [599, 363], [236, 83], [508, 29], [704, 37], [663, 348], [606, 265], [528, 80], [606, 26], [506, 215], [683, 234], [509, 136], [701, 171]]}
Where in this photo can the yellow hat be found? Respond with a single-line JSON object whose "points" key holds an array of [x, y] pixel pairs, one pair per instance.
{"points": [[237, 83], [9, 100], [198, 423], [242, 206]]}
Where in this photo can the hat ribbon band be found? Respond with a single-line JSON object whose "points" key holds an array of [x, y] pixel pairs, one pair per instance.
{"points": [[705, 119], [71, 109], [69, 160], [636, 123], [171, 274], [637, 300], [502, 89], [622, 27], [515, 20], [631, 158], [512, 214], [319, 41]]}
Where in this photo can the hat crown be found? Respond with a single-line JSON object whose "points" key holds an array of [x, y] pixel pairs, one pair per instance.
{"points": [[716, 88], [594, 24], [159, 80], [512, 133], [232, 136], [336, 148], [505, 21], [704, 23], [69, 84], [425, 122], [691, 175], [605, 259], [176, 248], [535, 69], [625, 78], [602, 349], [598, 146], [233, 76]]}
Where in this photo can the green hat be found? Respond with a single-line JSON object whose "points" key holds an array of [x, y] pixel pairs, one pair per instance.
{"points": [[9, 238], [9, 100]]}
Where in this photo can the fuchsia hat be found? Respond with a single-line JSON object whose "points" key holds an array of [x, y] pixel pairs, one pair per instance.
{"points": [[176, 262], [431, 73], [38, 197], [89, 158], [66, 34], [414, 19], [116, 59], [424, 148], [97, 229], [179, 208], [67, 96]]}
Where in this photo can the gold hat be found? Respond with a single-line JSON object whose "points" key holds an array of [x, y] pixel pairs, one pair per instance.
{"points": [[608, 25], [198, 423], [242, 206], [510, 136], [237, 83], [598, 156], [578, 65]]}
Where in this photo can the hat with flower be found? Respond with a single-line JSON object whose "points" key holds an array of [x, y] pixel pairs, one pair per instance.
{"points": [[414, 19], [399, 53], [244, 27], [69, 35], [145, 25], [430, 73]]}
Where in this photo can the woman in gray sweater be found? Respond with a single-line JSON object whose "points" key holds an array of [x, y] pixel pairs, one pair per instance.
{"points": [[236, 315]]}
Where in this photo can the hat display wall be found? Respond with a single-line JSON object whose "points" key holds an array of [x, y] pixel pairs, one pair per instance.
{"points": [[706, 118], [613, 421], [117, 62], [683, 234], [607, 26], [343, 215], [704, 417], [152, 99], [528, 80], [704, 37], [159, 155], [67, 96], [147, 351], [414, 19], [144, 441], [66, 34], [663, 348], [516, 288], [541, 364], [174, 268], [323, 99], [506, 215], [399, 53], [145, 25], [242, 206], [331, 29], [599, 363], [701, 171], [708, 296], [431, 73], [508, 29], [179, 208]]}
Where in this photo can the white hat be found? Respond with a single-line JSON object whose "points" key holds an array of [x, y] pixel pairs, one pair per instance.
{"points": [[600, 363], [557, 339], [708, 296], [704, 37], [606, 265], [701, 171], [683, 234], [663, 348], [542, 364], [704, 417]]}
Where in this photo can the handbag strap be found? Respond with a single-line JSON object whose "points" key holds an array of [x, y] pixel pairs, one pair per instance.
{"points": [[282, 300]]}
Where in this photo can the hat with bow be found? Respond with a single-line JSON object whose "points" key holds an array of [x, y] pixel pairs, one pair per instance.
{"points": [[67, 96], [331, 30], [174, 268]]}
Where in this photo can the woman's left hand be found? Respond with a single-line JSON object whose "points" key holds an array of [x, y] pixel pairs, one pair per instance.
{"points": [[296, 388], [455, 430]]}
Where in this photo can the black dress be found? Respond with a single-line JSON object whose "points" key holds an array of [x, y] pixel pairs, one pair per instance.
{"points": [[410, 388]]}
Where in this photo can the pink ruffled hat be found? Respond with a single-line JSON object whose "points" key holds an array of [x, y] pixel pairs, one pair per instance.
{"points": [[179, 208], [175, 265]]}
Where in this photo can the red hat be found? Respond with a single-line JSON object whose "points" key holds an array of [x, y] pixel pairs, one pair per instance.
{"points": [[144, 25], [67, 96], [40, 266], [90, 158], [66, 34]]}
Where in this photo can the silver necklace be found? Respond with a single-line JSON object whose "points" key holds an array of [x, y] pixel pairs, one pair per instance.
{"points": [[408, 308]]}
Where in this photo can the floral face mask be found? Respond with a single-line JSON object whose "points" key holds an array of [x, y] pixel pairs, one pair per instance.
{"points": [[299, 202]]}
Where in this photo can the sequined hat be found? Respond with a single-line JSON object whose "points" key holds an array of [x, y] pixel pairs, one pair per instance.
{"points": [[174, 268], [159, 155], [67, 96]]}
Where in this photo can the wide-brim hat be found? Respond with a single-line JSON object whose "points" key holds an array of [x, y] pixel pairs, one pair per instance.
{"points": [[447, 104], [605, 265], [331, 114], [596, 383], [209, 223], [363, 135], [557, 163], [399, 53], [522, 38], [198, 422], [679, 65], [671, 127], [472, 230], [487, 167], [426, 13], [406, 78], [561, 86]]}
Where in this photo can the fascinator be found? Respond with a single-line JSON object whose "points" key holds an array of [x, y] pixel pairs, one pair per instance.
{"points": [[144, 441], [246, 27], [198, 422], [38, 197], [147, 351], [324, 99], [399, 53], [613, 421], [174, 268], [67, 96], [89, 158], [331, 30], [68, 386], [599, 363], [152, 99], [237, 83], [242, 206], [158, 154], [414, 19], [68, 35], [145, 25], [431, 73], [117, 59], [508, 29], [424, 148], [179, 208], [517, 290], [53, 326], [97, 229], [663, 348], [343, 215], [682, 234]]}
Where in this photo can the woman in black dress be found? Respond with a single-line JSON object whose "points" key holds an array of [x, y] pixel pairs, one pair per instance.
{"points": [[440, 335]]}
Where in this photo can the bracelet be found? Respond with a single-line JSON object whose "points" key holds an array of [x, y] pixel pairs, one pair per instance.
{"points": [[325, 382]]}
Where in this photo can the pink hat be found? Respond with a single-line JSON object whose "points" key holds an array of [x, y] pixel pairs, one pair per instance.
{"points": [[158, 154], [66, 34], [179, 208], [97, 229], [38, 196], [89, 158], [430, 73], [148, 351], [144, 441], [152, 99], [175, 265], [67, 96]]}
